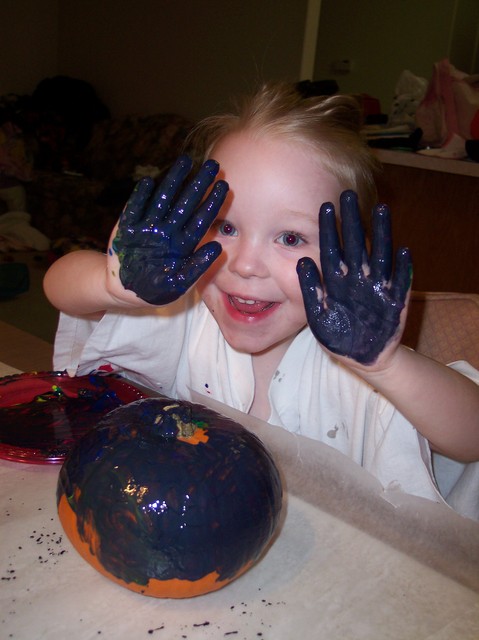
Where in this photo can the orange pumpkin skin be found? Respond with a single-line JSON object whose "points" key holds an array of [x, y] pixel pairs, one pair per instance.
{"points": [[169, 499]]}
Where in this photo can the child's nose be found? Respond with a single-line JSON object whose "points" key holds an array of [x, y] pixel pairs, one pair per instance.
{"points": [[248, 260]]}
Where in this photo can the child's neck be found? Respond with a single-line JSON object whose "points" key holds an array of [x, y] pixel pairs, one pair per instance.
{"points": [[265, 365]]}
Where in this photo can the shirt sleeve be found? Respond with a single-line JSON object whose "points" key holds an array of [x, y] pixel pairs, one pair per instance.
{"points": [[145, 346], [71, 337], [459, 482]]}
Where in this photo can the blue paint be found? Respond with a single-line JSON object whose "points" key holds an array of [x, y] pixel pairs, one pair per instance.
{"points": [[159, 231], [166, 508], [52, 421], [356, 313]]}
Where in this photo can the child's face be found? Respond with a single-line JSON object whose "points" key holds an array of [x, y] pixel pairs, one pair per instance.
{"points": [[268, 222]]}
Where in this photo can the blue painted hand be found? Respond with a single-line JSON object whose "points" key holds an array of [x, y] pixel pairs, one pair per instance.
{"points": [[354, 308], [159, 230]]}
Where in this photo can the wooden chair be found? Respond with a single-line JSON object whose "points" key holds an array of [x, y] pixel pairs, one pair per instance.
{"points": [[444, 326]]}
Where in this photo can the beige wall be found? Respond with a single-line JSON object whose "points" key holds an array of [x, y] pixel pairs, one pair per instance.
{"points": [[28, 43], [188, 56], [384, 37], [155, 55], [165, 55]]}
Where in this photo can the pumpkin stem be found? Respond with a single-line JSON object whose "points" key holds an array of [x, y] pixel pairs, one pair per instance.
{"points": [[174, 422]]}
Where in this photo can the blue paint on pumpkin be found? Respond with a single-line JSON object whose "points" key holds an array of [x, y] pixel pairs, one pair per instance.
{"points": [[164, 508]]}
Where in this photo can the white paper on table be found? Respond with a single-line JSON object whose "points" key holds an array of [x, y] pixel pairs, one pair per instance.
{"points": [[431, 532], [351, 561]]}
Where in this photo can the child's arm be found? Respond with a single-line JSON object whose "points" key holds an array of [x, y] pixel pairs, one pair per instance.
{"points": [[357, 311], [152, 257]]}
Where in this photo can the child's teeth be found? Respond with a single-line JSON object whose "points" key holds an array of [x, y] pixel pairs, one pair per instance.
{"points": [[248, 306]]}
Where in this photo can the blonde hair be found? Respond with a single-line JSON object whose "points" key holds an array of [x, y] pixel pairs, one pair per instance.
{"points": [[330, 125]]}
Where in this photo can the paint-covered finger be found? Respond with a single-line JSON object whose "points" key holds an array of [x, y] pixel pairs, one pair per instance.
{"points": [[353, 233], [402, 278], [192, 194], [329, 245], [204, 216], [311, 287], [164, 196], [134, 209], [382, 251], [199, 263]]}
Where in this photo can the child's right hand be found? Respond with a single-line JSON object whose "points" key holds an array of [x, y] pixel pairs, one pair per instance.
{"points": [[157, 233]]}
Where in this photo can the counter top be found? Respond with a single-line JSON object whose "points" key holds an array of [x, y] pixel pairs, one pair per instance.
{"points": [[430, 163]]}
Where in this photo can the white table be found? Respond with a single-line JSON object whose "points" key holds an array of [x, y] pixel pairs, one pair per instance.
{"points": [[344, 566]]}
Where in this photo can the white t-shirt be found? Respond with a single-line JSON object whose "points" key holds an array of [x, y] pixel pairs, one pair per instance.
{"points": [[179, 348]]}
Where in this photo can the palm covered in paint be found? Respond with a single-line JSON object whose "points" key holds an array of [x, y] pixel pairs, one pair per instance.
{"points": [[354, 308], [159, 231]]}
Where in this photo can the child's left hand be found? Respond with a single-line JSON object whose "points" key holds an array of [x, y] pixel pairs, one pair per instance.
{"points": [[354, 309]]}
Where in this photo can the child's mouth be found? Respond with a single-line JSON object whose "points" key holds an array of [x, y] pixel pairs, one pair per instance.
{"points": [[248, 306]]}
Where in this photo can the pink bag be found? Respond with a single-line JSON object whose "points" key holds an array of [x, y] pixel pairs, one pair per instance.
{"points": [[450, 106]]}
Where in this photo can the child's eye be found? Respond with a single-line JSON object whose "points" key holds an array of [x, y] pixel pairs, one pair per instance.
{"points": [[225, 228], [291, 239]]}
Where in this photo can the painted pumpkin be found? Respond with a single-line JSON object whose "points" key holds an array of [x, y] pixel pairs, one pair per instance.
{"points": [[169, 499]]}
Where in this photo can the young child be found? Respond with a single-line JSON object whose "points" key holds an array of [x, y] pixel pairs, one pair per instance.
{"points": [[246, 318]]}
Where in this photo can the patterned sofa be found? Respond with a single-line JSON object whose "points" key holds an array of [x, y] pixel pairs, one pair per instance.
{"points": [[86, 202]]}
